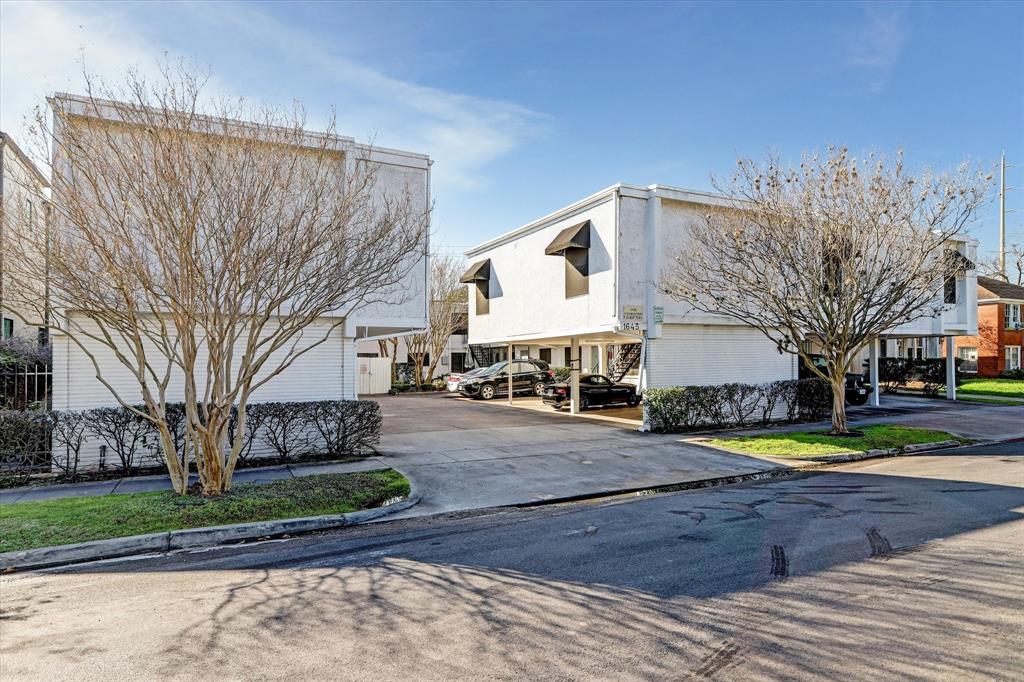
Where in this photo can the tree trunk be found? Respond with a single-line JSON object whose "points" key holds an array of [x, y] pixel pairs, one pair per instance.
{"points": [[839, 405]]}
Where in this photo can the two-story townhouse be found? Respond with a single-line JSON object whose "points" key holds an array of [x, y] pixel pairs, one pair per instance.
{"points": [[997, 346], [22, 205], [579, 286], [328, 371]]}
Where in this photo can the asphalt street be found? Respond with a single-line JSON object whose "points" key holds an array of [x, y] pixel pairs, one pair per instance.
{"points": [[902, 568]]}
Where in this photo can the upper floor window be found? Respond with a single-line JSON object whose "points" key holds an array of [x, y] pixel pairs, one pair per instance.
{"points": [[574, 244], [28, 211], [1011, 316], [8, 328], [957, 265], [479, 274]]}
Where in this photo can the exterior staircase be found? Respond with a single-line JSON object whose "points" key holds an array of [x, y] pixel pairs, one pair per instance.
{"points": [[483, 356], [625, 358]]}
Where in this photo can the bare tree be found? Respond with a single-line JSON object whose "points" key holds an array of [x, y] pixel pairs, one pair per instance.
{"points": [[836, 252], [447, 300], [214, 249], [1014, 264]]}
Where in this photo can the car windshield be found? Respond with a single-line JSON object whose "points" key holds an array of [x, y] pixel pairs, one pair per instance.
{"points": [[495, 368]]}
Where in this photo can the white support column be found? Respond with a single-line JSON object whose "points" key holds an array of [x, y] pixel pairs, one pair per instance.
{"points": [[950, 368], [574, 375], [508, 367], [602, 366], [873, 371]]}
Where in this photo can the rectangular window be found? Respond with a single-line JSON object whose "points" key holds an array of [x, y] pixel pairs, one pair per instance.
{"points": [[8, 330], [568, 357], [1012, 356], [968, 356], [1011, 315], [545, 355]]}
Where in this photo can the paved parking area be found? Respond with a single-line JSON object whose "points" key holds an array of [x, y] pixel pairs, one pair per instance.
{"points": [[467, 454]]}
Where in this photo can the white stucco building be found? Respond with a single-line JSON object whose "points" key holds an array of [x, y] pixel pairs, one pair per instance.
{"points": [[329, 370], [585, 276]]}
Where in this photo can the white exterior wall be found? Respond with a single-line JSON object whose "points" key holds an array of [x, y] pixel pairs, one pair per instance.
{"points": [[704, 355], [19, 183], [528, 288], [326, 372]]}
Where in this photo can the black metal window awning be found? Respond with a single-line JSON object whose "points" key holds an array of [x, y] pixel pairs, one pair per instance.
{"points": [[477, 272], [575, 237], [960, 262]]}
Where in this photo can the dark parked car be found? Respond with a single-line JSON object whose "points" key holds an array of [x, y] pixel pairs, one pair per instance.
{"points": [[595, 389], [528, 376], [857, 390]]}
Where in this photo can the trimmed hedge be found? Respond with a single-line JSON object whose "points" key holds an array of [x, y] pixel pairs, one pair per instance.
{"points": [[690, 408], [896, 373], [280, 431]]}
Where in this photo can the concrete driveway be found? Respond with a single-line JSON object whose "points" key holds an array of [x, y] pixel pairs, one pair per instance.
{"points": [[466, 454]]}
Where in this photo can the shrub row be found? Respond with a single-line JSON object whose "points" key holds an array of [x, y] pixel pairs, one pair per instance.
{"points": [[896, 373], [1017, 374], [280, 431], [689, 408]]}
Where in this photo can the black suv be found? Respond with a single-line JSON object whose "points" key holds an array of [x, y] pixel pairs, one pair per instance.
{"points": [[528, 376], [857, 390]]}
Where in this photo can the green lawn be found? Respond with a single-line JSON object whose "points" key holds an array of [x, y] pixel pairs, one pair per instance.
{"points": [[79, 519], [815, 443], [1013, 388], [987, 399]]}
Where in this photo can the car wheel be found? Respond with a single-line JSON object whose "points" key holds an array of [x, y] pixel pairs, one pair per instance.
{"points": [[538, 388], [487, 391], [584, 403], [633, 400]]}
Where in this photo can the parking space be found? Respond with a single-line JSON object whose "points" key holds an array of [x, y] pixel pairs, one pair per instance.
{"points": [[620, 415], [465, 454]]}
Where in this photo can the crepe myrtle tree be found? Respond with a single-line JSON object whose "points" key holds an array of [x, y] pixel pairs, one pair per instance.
{"points": [[836, 251], [447, 301], [206, 251]]}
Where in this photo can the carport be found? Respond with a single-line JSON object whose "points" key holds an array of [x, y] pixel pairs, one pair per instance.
{"points": [[602, 339]]}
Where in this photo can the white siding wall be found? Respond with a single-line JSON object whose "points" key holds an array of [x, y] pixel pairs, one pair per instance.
{"points": [[325, 372], [700, 355]]}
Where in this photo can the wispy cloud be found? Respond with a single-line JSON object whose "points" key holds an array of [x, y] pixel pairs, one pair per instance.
{"points": [[873, 46], [42, 45]]}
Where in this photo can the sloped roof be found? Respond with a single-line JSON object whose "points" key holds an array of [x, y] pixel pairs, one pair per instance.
{"points": [[997, 288]]}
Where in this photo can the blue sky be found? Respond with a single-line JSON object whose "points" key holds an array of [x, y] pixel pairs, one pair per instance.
{"points": [[528, 107]]}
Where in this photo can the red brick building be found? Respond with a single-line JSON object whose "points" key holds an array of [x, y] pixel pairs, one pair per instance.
{"points": [[997, 347]]}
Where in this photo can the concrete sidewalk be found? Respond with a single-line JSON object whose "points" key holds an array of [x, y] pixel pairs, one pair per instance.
{"points": [[142, 484]]}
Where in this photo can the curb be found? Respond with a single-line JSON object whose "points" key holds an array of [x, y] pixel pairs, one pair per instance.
{"points": [[776, 472], [60, 555], [872, 454]]}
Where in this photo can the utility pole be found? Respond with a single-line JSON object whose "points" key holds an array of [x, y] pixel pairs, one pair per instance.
{"points": [[1002, 215]]}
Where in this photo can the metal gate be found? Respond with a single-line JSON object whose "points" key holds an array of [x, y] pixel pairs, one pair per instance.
{"points": [[374, 376]]}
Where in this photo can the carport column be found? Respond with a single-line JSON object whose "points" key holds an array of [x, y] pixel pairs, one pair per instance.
{"points": [[602, 363], [950, 368], [574, 375], [873, 371], [508, 367]]}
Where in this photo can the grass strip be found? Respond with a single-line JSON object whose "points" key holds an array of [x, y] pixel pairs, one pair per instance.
{"points": [[799, 444], [80, 519]]}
